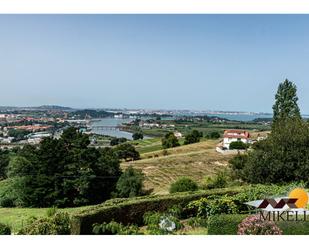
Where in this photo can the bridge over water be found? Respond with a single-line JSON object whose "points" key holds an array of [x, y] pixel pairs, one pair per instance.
{"points": [[106, 127]]}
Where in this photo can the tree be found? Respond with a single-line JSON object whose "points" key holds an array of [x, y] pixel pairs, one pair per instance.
{"points": [[18, 134], [286, 102], [213, 135], [283, 157], [183, 184], [126, 151], [238, 145], [116, 141], [4, 162], [64, 172], [193, 137], [130, 183], [169, 141], [237, 164], [137, 135]]}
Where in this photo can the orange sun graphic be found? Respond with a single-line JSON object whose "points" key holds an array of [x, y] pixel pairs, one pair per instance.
{"points": [[301, 195]]}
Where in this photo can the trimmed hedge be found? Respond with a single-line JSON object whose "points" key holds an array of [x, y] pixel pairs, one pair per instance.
{"points": [[294, 227], [227, 224], [224, 224], [131, 211]]}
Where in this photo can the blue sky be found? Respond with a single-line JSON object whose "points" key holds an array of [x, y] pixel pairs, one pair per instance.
{"points": [[217, 62]]}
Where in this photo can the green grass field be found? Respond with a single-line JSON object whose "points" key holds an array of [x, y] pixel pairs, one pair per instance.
{"points": [[195, 160], [16, 217]]}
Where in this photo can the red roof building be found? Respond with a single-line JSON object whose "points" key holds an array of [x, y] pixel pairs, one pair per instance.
{"points": [[235, 135]]}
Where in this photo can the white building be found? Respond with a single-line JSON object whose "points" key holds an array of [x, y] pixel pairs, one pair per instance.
{"points": [[234, 136], [178, 134]]}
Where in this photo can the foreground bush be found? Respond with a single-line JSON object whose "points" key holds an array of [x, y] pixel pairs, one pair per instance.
{"points": [[220, 180], [224, 224], [253, 225], [4, 229], [204, 208], [58, 224], [183, 184], [227, 224], [113, 227], [131, 211], [161, 223], [130, 183]]}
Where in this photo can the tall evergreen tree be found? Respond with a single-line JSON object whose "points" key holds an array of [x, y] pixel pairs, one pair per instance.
{"points": [[286, 102]]}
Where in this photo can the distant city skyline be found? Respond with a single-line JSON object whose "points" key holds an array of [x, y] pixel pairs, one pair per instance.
{"points": [[192, 62]]}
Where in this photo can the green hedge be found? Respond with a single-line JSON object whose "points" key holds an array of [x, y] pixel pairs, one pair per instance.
{"points": [[131, 210], [294, 227], [224, 224], [227, 224]]}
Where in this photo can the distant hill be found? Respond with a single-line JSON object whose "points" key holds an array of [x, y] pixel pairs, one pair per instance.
{"points": [[89, 113], [53, 107], [38, 108]]}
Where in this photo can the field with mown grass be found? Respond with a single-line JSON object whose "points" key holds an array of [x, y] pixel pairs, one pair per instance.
{"points": [[195, 160]]}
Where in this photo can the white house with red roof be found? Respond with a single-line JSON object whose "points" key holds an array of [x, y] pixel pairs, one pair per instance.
{"points": [[235, 135]]}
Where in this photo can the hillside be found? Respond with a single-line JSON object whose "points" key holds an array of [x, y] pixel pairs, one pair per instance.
{"points": [[195, 160]]}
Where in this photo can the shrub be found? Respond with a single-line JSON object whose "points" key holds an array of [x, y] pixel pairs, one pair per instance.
{"points": [[169, 141], [4, 229], [130, 183], [6, 202], [223, 205], [213, 135], [237, 164], [176, 211], [198, 208], [126, 151], [58, 224], [197, 222], [193, 137], [238, 145], [294, 227], [227, 224], [164, 152], [115, 228], [137, 135], [8, 197], [116, 141], [161, 223], [183, 184], [259, 191], [204, 208], [253, 225], [224, 224], [220, 180], [51, 211], [4, 162]]}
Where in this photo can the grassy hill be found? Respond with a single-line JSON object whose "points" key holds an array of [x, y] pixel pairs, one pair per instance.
{"points": [[195, 160]]}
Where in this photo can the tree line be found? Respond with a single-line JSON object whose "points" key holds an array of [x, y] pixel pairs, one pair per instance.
{"points": [[66, 172]]}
